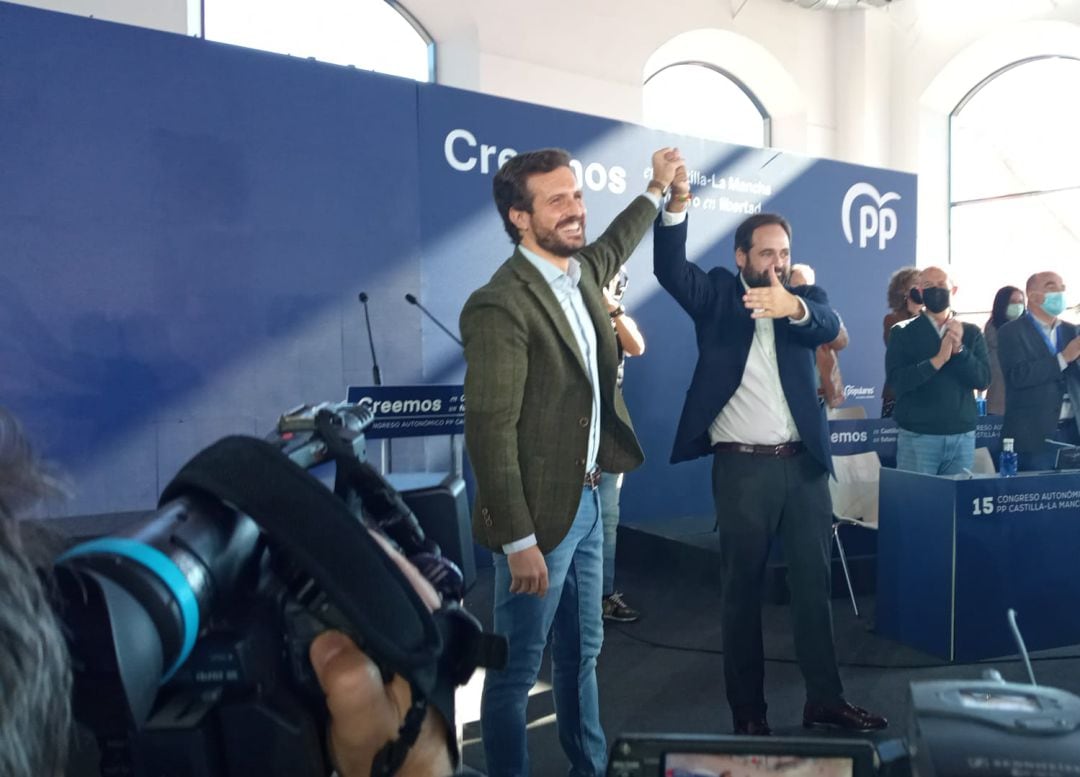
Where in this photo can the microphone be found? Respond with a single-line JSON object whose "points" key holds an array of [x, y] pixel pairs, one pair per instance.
{"points": [[1011, 615], [376, 375], [412, 300]]}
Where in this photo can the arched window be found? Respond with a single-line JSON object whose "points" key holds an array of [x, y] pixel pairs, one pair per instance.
{"points": [[374, 35], [695, 98], [1015, 179]]}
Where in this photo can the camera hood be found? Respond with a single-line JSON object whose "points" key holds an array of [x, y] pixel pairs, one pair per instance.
{"points": [[322, 536]]}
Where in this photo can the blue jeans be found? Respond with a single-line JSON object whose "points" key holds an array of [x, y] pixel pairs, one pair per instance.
{"points": [[571, 613], [935, 454], [610, 486]]}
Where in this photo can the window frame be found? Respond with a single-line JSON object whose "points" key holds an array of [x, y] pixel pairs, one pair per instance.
{"points": [[954, 114], [766, 118], [402, 11]]}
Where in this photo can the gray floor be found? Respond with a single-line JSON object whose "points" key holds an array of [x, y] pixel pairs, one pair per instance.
{"points": [[664, 673]]}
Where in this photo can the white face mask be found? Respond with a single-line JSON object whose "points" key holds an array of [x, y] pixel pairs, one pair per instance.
{"points": [[1014, 310]]}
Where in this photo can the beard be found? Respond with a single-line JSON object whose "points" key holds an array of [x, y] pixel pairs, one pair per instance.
{"points": [[552, 242], [757, 280]]}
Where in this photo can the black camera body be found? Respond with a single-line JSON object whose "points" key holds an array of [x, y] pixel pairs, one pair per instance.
{"points": [[189, 634]]}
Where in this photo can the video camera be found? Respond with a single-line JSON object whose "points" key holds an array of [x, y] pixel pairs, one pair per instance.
{"points": [[956, 728], [189, 633]]}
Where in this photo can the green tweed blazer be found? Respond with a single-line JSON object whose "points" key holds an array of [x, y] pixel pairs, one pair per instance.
{"points": [[528, 399]]}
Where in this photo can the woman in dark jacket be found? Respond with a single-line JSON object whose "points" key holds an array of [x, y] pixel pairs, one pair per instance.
{"points": [[901, 308], [1008, 306]]}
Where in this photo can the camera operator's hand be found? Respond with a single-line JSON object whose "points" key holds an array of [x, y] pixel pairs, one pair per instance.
{"points": [[365, 713]]}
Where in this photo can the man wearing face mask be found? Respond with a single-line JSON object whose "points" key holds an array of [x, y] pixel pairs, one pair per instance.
{"points": [[934, 363], [1038, 355]]}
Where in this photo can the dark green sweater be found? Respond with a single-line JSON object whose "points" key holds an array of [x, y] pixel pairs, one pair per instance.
{"points": [[930, 401]]}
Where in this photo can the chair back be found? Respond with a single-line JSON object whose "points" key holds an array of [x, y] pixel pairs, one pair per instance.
{"points": [[855, 490], [984, 462]]}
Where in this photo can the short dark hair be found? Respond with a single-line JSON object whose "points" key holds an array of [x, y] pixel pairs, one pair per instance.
{"points": [[744, 235], [35, 718], [900, 284], [1001, 304], [511, 183]]}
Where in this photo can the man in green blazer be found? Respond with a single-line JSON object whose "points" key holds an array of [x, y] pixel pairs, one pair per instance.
{"points": [[543, 417]]}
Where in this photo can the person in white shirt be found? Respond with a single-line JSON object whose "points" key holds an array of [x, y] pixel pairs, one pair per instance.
{"points": [[753, 406]]}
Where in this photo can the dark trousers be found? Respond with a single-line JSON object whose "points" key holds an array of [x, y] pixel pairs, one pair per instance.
{"points": [[1045, 457], [758, 498]]}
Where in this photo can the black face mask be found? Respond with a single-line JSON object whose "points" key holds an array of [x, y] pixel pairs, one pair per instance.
{"points": [[936, 299], [916, 296]]}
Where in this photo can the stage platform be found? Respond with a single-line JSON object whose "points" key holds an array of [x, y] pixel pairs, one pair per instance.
{"points": [[690, 545]]}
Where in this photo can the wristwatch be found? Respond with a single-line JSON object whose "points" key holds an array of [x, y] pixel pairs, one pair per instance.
{"points": [[617, 312]]}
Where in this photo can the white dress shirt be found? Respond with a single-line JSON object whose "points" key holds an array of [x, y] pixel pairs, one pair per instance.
{"points": [[758, 412]]}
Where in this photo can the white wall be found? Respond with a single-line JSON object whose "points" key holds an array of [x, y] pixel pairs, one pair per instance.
{"points": [[590, 55], [872, 86]]}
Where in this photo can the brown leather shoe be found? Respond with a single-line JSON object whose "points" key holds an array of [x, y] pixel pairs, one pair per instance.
{"points": [[755, 726], [843, 716]]}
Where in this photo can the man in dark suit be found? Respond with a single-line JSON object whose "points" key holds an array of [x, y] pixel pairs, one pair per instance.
{"points": [[543, 417], [753, 404], [1038, 353]]}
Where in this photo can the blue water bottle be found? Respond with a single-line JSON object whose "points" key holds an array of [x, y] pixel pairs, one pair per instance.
{"points": [[1007, 460]]}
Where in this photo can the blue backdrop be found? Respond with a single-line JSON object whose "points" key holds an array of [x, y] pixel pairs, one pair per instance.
{"points": [[185, 227]]}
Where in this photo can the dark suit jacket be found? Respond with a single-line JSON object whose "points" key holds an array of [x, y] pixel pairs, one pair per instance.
{"points": [[528, 394], [725, 332], [1034, 382]]}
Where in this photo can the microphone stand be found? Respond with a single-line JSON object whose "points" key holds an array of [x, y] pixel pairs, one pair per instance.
{"points": [[412, 300], [376, 374], [457, 453], [386, 451]]}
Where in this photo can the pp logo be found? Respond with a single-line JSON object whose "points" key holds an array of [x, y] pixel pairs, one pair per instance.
{"points": [[874, 219]]}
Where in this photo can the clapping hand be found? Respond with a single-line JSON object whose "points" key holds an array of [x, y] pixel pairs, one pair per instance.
{"points": [[1071, 351], [954, 330]]}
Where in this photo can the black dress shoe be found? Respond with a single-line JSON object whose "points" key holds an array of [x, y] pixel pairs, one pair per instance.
{"points": [[752, 727], [843, 716]]}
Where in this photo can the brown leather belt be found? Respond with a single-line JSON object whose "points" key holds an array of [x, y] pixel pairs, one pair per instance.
{"points": [[782, 451], [592, 478]]}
